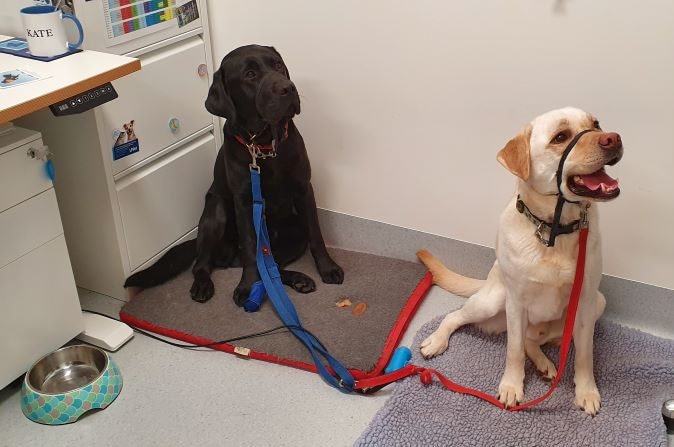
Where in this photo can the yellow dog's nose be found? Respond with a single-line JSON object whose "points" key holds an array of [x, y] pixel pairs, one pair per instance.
{"points": [[610, 141]]}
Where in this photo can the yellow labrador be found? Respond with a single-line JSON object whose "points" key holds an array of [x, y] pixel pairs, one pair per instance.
{"points": [[527, 290]]}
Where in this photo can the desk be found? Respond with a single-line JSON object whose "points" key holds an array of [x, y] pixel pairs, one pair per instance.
{"points": [[69, 76], [39, 306]]}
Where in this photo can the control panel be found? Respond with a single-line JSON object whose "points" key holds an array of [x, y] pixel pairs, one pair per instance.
{"points": [[85, 101]]}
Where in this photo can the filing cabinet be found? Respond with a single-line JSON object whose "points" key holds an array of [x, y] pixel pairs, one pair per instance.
{"points": [[39, 309], [132, 174]]}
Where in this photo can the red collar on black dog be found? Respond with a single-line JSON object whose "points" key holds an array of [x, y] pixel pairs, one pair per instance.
{"points": [[261, 150]]}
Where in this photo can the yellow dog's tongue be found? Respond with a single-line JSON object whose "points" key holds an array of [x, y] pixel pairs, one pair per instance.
{"points": [[595, 180]]}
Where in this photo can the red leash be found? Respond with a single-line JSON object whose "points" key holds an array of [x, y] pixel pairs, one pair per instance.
{"points": [[426, 374]]}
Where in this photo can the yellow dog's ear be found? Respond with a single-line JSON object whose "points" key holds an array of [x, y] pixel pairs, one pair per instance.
{"points": [[515, 155]]}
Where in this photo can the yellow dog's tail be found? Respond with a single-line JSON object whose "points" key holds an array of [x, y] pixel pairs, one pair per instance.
{"points": [[450, 281]]}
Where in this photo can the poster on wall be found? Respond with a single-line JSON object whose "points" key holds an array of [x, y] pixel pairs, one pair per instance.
{"points": [[129, 19]]}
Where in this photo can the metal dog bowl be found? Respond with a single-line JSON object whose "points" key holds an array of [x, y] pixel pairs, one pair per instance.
{"points": [[63, 385]]}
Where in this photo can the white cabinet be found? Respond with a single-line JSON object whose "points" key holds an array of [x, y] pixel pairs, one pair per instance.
{"points": [[27, 224], [156, 205], [22, 177], [123, 204], [39, 308], [168, 87]]}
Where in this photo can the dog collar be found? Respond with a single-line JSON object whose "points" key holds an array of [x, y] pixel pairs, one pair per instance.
{"points": [[261, 150], [543, 226]]}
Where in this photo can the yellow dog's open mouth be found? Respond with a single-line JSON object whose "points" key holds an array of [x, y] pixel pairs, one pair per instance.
{"points": [[598, 185]]}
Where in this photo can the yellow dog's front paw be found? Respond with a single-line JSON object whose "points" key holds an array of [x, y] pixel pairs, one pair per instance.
{"points": [[546, 369], [588, 400], [510, 393], [434, 345]]}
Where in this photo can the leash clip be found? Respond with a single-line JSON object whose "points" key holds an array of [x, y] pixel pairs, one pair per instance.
{"points": [[344, 385], [255, 151], [584, 223], [539, 234]]}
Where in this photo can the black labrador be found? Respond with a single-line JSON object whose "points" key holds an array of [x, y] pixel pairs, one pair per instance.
{"points": [[253, 91]]}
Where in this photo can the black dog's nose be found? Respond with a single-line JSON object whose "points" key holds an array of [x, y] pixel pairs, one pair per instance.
{"points": [[286, 88]]}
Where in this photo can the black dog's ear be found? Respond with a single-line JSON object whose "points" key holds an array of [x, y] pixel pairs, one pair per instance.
{"points": [[281, 57], [218, 101]]}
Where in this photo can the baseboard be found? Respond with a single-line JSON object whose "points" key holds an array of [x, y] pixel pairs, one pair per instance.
{"points": [[642, 306]]}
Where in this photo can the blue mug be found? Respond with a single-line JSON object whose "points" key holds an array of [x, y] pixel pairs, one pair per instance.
{"points": [[45, 33]]}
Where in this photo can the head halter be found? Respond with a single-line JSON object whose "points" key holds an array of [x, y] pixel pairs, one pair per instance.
{"points": [[555, 227]]}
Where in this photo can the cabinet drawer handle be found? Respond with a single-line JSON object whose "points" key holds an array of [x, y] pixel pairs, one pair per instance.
{"points": [[43, 154], [174, 124], [39, 153], [202, 70]]}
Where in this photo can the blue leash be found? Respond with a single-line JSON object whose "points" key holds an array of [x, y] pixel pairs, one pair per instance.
{"points": [[271, 278]]}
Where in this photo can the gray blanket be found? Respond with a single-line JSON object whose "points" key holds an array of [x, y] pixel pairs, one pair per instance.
{"points": [[634, 373]]}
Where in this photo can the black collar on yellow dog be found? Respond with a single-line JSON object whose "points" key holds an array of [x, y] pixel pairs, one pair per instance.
{"points": [[546, 227]]}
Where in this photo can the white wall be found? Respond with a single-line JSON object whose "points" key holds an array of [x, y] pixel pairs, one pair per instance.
{"points": [[405, 104]]}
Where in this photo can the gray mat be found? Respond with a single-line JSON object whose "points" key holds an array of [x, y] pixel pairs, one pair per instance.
{"points": [[634, 373], [385, 285]]}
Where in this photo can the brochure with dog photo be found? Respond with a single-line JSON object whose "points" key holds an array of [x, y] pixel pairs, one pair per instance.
{"points": [[12, 78]]}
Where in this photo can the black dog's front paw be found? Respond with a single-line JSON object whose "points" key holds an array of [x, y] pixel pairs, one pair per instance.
{"points": [[298, 281], [330, 272], [304, 285], [202, 289], [241, 294], [242, 291]]}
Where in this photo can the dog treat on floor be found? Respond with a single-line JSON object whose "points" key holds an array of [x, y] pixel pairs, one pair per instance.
{"points": [[359, 309], [343, 302]]}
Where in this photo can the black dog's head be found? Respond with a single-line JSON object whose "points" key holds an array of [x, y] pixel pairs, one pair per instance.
{"points": [[252, 88]]}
